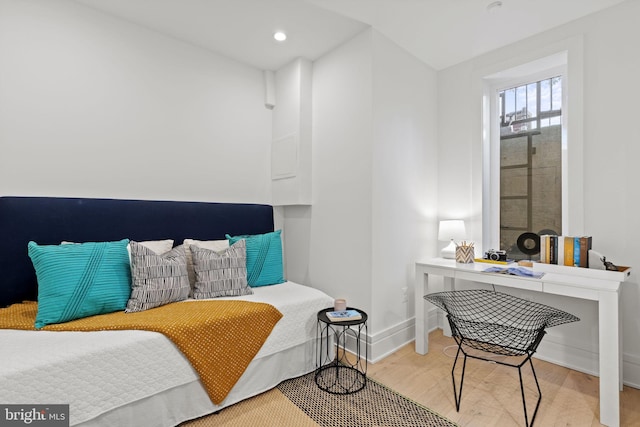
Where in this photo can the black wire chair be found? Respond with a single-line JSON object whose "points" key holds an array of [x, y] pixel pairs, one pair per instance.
{"points": [[500, 324]]}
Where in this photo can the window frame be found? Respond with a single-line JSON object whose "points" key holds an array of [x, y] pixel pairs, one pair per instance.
{"points": [[570, 66]]}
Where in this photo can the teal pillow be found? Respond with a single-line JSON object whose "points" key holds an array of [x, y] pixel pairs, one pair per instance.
{"points": [[264, 258], [81, 279]]}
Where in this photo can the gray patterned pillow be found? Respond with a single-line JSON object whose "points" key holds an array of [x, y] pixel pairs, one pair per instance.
{"points": [[157, 279], [220, 274]]}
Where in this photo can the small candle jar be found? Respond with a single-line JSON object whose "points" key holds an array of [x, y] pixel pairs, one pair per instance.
{"points": [[340, 304]]}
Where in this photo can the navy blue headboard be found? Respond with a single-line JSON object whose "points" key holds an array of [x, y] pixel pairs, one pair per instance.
{"points": [[50, 220]]}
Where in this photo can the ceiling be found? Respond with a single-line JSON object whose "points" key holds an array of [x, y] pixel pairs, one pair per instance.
{"points": [[440, 33]]}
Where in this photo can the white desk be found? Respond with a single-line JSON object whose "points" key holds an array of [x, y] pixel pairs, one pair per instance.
{"points": [[601, 286]]}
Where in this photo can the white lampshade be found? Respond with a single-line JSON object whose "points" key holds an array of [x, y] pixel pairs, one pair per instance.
{"points": [[451, 230]]}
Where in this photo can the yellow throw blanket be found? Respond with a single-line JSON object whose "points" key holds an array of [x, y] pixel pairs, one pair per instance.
{"points": [[220, 338]]}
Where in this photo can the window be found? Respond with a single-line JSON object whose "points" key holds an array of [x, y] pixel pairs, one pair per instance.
{"points": [[530, 120], [531, 106], [509, 94]]}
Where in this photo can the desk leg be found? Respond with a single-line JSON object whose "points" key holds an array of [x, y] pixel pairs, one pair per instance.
{"points": [[422, 336], [610, 367], [449, 285]]}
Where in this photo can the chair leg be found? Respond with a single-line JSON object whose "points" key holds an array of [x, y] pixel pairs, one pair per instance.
{"points": [[457, 395], [524, 403]]}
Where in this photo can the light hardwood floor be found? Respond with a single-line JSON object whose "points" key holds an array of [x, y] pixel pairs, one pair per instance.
{"points": [[491, 395]]}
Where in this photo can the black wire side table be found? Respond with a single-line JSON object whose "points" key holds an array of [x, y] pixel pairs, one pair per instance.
{"points": [[336, 371]]}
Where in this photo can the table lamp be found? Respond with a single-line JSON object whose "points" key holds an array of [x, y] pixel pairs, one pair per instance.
{"points": [[451, 230]]}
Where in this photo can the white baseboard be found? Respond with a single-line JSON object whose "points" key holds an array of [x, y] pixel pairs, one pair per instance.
{"points": [[390, 340], [569, 355], [631, 370], [383, 343]]}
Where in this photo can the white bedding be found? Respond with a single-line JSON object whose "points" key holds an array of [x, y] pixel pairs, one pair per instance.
{"points": [[106, 375], [299, 306]]}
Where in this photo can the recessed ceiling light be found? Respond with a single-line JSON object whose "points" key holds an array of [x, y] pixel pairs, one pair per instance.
{"points": [[280, 36], [494, 6]]}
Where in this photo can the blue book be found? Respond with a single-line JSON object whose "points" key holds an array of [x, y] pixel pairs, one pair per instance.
{"points": [[576, 252], [343, 315]]}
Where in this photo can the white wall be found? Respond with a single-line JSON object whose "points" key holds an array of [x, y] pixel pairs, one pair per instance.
{"points": [[404, 187], [374, 184], [339, 239], [611, 197], [94, 106]]}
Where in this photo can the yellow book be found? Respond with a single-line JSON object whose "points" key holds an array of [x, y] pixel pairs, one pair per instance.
{"points": [[490, 261], [568, 251]]}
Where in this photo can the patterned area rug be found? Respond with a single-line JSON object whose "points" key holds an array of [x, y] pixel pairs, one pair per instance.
{"points": [[373, 406]]}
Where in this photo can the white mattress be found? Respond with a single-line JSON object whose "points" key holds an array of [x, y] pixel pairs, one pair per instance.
{"points": [[299, 306], [109, 375]]}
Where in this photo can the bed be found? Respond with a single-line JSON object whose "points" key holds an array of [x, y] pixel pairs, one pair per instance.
{"points": [[136, 377]]}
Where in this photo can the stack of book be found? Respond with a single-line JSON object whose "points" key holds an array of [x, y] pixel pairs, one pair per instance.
{"points": [[565, 250], [343, 315]]}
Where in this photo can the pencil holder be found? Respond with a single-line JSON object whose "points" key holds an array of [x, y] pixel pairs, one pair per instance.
{"points": [[464, 254]]}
